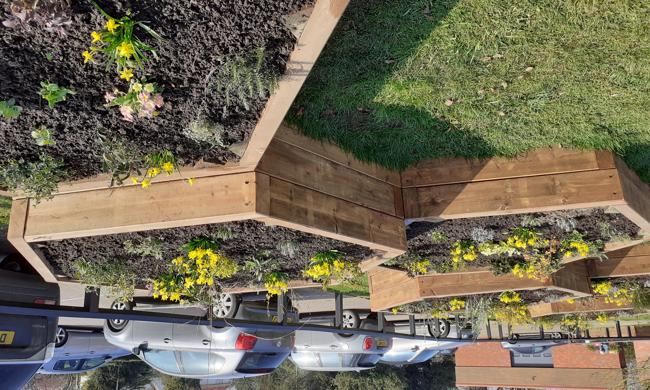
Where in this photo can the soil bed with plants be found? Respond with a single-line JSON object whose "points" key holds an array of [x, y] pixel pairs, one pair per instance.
{"points": [[502, 242], [257, 249], [199, 76]]}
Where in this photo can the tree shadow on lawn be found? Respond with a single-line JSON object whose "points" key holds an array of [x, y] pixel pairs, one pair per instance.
{"points": [[360, 58]]}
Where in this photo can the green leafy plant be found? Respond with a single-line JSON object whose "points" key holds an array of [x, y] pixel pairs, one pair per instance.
{"points": [[329, 265], [240, 81], [43, 136], [438, 237], [141, 100], [224, 234], [258, 267], [120, 279], [288, 248], [204, 131], [53, 93], [38, 180], [119, 45], [9, 110], [416, 266], [275, 283], [146, 247], [119, 158]]}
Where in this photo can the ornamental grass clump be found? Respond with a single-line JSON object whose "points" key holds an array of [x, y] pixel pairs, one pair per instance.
{"points": [[195, 276], [330, 265], [142, 100], [119, 45]]}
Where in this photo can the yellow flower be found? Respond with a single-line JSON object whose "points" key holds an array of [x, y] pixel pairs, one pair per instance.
{"points": [[111, 25], [510, 297], [456, 304], [88, 56], [153, 171], [136, 87], [570, 301], [126, 74], [175, 296], [190, 181], [95, 36], [125, 49], [178, 261], [168, 167], [146, 183], [189, 282], [394, 310], [602, 318], [134, 180]]}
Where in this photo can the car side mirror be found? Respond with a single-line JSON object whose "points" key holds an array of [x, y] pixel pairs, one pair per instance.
{"points": [[140, 348]]}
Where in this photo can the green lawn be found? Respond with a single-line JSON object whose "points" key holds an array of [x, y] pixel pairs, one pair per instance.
{"points": [[5, 209], [405, 80], [357, 287]]}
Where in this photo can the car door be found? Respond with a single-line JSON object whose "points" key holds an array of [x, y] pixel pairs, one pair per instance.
{"points": [[157, 335]]}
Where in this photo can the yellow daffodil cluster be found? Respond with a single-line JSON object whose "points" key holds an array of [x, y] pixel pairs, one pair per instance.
{"points": [[328, 265], [575, 248], [510, 297], [456, 304], [619, 296], [602, 318], [275, 283], [156, 164], [194, 274], [118, 45], [463, 251], [418, 267], [523, 238], [513, 314]]}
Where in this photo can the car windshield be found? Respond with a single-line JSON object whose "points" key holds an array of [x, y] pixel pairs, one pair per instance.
{"points": [[92, 363], [530, 350], [163, 360], [260, 363], [201, 363], [66, 365], [15, 376]]}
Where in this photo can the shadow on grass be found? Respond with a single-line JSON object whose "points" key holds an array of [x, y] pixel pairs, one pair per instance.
{"points": [[372, 41]]}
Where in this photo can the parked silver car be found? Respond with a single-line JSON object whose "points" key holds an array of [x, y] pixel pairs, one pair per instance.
{"points": [[324, 351], [202, 351], [414, 351]]}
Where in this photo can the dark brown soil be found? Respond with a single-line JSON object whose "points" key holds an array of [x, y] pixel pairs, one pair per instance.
{"points": [[249, 239], [593, 224], [197, 34]]}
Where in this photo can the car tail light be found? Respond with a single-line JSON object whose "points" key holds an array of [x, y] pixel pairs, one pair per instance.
{"points": [[245, 342], [43, 301], [368, 343]]}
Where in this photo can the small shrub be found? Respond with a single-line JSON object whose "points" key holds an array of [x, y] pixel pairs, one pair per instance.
{"points": [[50, 15], [194, 277], [528, 221], [9, 110], [513, 314], [619, 295], [119, 45], [275, 283], [416, 267], [438, 237], [259, 268], [241, 81], [610, 234], [38, 180], [54, 94], [204, 131], [288, 248], [576, 245], [146, 247], [456, 304], [141, 100], [503, 265], [482, 235], [119, 158], [328, 265], [120, 280], [43, 137], [567, 224], [224, 234], [510, 297], [463, 251], [155, 164]]}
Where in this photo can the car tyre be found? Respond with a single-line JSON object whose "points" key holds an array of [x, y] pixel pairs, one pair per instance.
{"points": [[226, 306], [444, 327], [513, 339], [351, 319], [61, 337], [117, 325]]}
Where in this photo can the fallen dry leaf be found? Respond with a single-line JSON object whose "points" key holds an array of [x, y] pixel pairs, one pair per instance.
{"points": [[529, 69]]}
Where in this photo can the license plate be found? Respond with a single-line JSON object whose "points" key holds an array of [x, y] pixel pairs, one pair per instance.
{"points": [[6, 337], [382, 343]]}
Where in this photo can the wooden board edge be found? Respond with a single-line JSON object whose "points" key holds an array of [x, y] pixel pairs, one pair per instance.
{"points": [[316, 32], [15, 235]]}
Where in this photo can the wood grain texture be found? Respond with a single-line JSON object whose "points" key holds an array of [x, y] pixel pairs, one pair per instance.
{"points": [[535, 377], [298, 166], [633, 261], [293, 205], [534, 163], [126, 209], [637, 196], [582, 305], [520, 195], [15, 235], [317, 30]]}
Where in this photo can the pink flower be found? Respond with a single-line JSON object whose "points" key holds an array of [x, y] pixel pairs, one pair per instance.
{"points": [[127, 113], [109, 96], [158, 100], [144, 97]]}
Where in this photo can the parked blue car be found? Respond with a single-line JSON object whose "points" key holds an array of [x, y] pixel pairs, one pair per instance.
{"points": [[80, 350]]}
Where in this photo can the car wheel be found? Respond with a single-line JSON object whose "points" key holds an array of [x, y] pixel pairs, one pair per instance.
{"points": [[350, 319], [443, 326], [117, 325], [513, 339], [61, 337], [226, 306]]}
